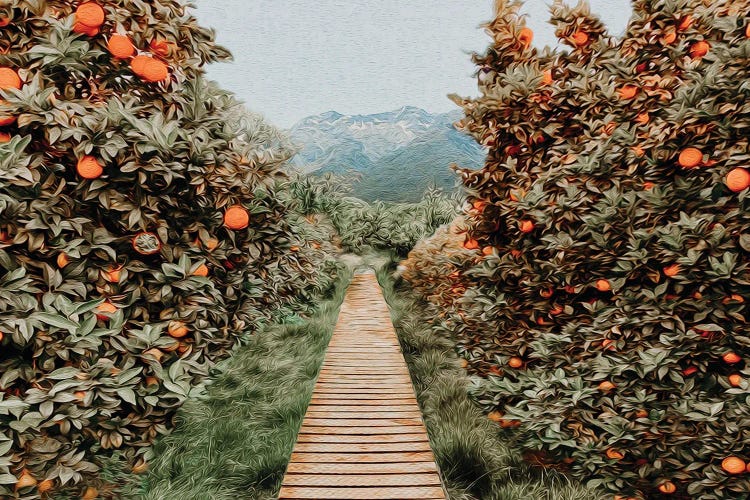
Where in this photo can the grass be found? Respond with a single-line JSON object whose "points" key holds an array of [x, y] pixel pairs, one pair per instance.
{"points": [[236, 441], [477, 459]]}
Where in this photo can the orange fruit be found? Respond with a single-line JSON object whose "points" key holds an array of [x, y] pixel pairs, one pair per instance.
{"points": [[85, 30], [509, 424], [9, 79], [4, 137], [177, 329], [471, 244], [515, 362], [201, 270], [643, 118], [236, 218], [211, 244], [606, 386], [45, 486], [641, 414], [685, 23], [525, 36], [733, 297], [733, 465], [25, 480], [149, 69], [608, 344], [667, 487], [4, 21], [160, 47], [62, 260], [689, 371], [526, 226], [699, 49], [580, 38], [669, 38], [648, 186], [603, 285], [90, 14], [495, 416], [690, 157], [547, 77], [120, 46], [747, 31], [672, 270], [487, 250], [614, 454], [731, 358], [146, 243], [516, 253], [89, 168], [90, 494], [628, 91], [735, 379], [113, 274], [104, 310], [479, 205], [738, 179]]}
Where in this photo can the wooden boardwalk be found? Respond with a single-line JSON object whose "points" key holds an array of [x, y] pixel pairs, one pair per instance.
{"points": [[363, 437]]}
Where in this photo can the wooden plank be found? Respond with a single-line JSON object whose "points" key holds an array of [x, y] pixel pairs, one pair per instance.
{"points": [[372, 421], [361, 468], [377, 493], [334, 429], [360, 409], [361, 447], [381, 480], [362, 438], [378, 458], [381, 413]]}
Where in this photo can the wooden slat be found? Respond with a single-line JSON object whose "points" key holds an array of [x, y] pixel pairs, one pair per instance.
{"points": [[363, 437], [377, 493]]}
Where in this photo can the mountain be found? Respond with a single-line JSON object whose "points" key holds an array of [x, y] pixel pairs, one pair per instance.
{"points": [[395, 155]]}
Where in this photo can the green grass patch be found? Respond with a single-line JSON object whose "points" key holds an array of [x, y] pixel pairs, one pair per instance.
{"points": [[235, 441], [477, 458]]}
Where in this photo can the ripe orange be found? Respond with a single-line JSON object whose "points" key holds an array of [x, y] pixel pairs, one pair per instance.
{"points": [[45, 486], [177, 329], [80, 395], [733, 465], [547, 77], [89, 168], [9, 79], [667, 487], [733, 297], [113, 274], [580, 38], [495, 416], [91, 493], [4, 21], [608, 344], [738, 179], [487, 250], [689, 371], [603, 285], [201, 270], [735, 379], [4, 137], [643, 118], [641, 414], [515, 362], [556, 311], [614, 454], [25, 480], [669, 38], [104, 310], [672, 270], [471, 244], [685, 23], [747, 31], [236, 218], [160, 47], [90, 14], [690, 157], [525, 36], [648, 186], [526, 226], [731, 358], [699, 49], [606, 386], [516, 253], [62, 260], [628, 91], [85, 30], [149, 69], [120, 46]]}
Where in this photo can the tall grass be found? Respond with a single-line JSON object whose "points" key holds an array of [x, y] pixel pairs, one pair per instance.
{"points": [[236, 441], [478, 459]]}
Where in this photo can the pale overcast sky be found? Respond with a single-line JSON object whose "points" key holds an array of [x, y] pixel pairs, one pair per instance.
{"points": [[295, 58]]}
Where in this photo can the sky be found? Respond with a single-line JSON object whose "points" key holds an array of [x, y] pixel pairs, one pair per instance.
{"points": [[296, 58]]}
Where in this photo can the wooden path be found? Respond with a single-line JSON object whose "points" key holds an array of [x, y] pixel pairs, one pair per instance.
{"points": [[363, 437]]}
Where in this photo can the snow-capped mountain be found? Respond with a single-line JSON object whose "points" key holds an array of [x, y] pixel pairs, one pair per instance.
{"points": [[410, 148]]}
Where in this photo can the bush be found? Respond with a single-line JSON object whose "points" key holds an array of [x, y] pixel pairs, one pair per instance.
{"points": [[607, 318], [121, 282]]}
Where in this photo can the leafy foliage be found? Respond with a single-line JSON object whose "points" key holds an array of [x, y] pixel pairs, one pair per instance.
{"points": [[120, 287], [605, 312]]}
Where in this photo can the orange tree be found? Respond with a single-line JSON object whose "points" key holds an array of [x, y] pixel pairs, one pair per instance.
{"points": [[606, 313], [143, 231]]}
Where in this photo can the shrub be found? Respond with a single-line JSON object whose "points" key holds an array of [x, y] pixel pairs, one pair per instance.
{"points": [[618, 269], [114, 185]]}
